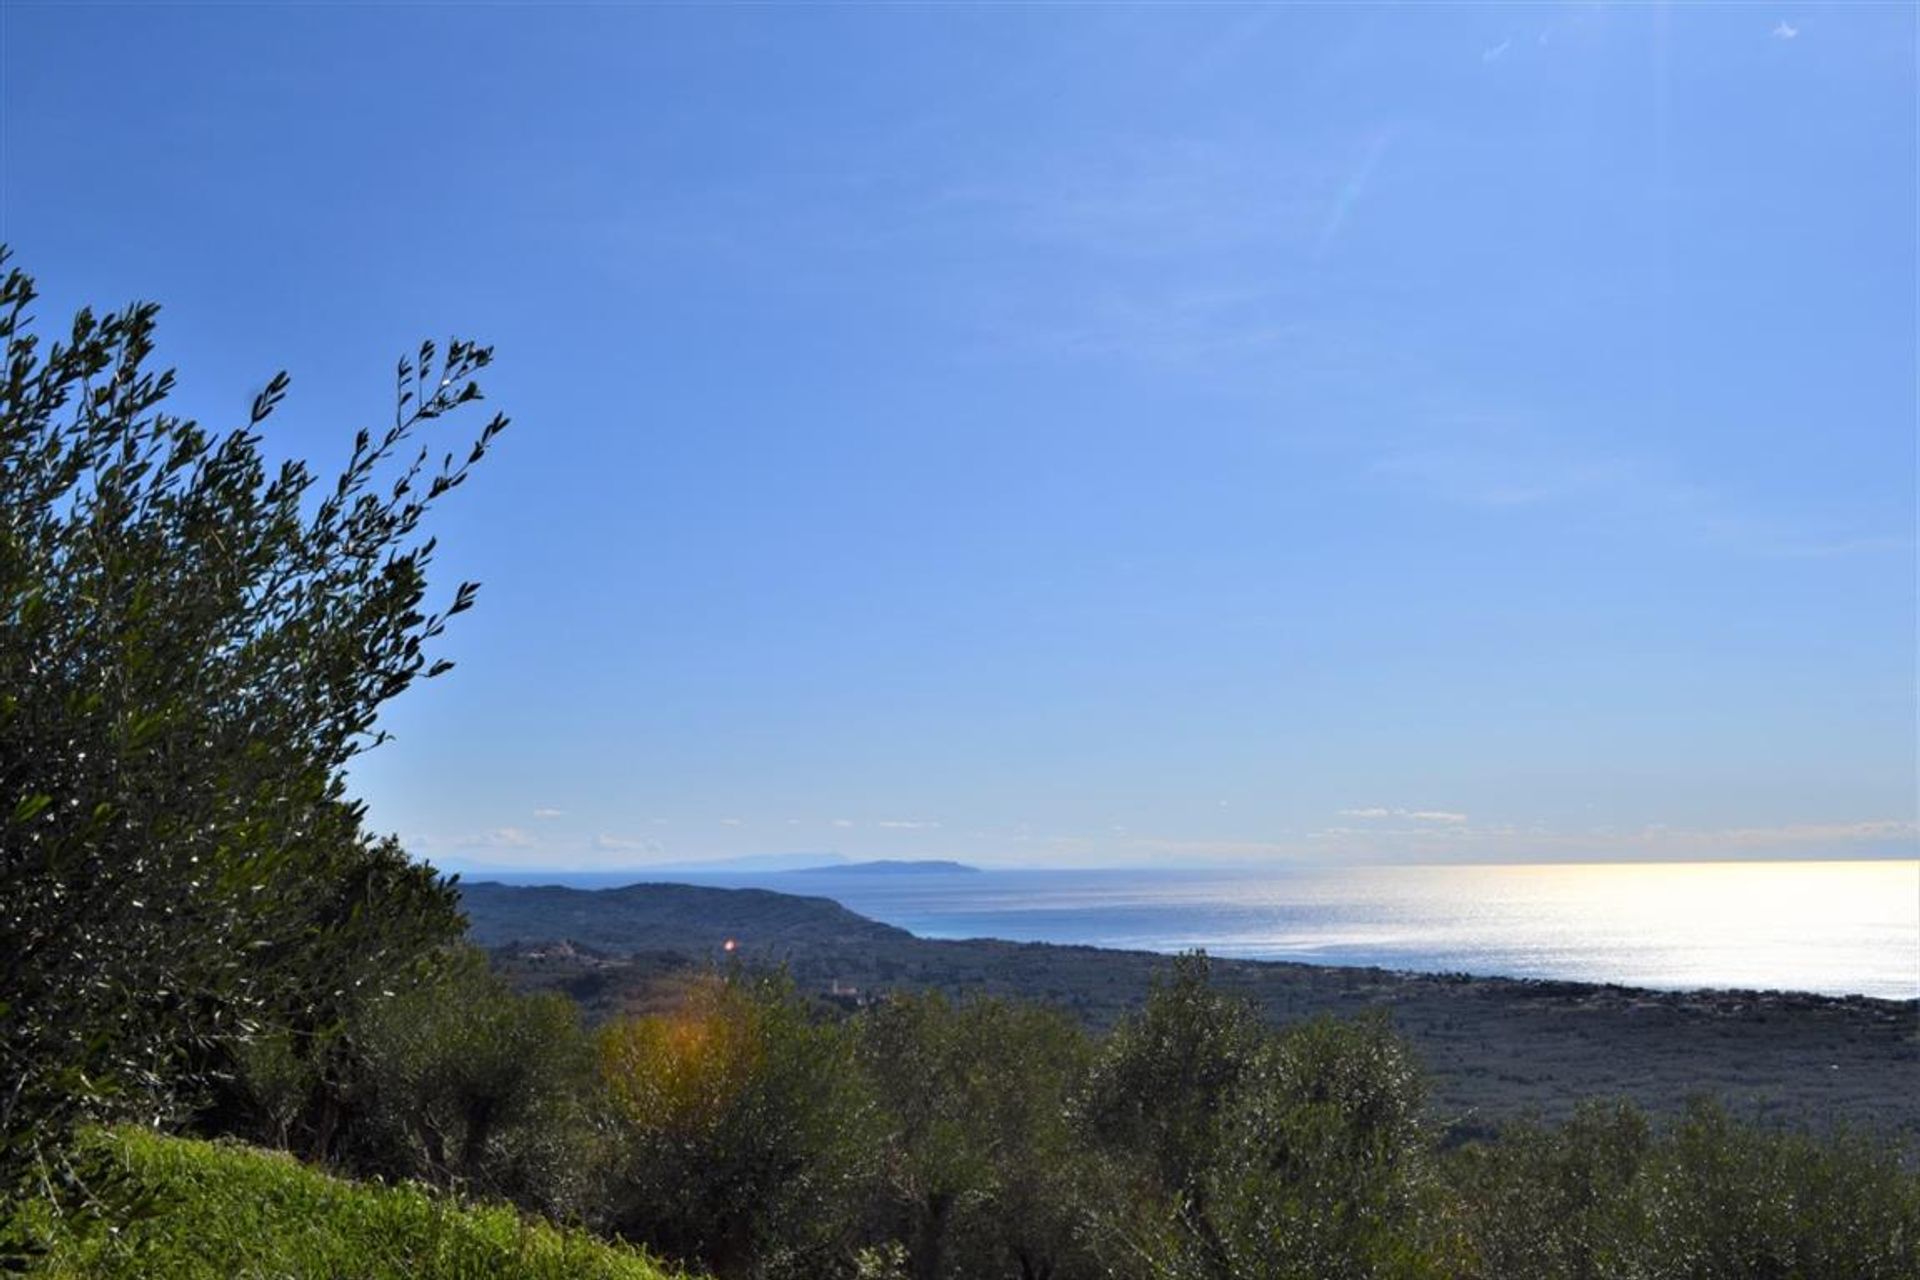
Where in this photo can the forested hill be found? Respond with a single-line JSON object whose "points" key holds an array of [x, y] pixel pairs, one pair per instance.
{"points": [[664, 917]]}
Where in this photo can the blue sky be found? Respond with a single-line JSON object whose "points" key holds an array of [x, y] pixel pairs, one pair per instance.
{"points": [[1072, 435]]}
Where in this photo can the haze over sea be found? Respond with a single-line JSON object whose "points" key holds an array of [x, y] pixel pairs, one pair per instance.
{"points": [[1834, 927]]}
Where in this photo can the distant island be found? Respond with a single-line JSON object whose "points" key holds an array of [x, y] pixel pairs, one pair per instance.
{"points": [[891, 867]]}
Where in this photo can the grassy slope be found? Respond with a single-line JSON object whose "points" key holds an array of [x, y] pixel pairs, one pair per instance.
{"points": [[229, 1212]]}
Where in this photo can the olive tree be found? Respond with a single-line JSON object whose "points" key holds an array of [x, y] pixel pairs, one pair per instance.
{"points": [[193, 645], [981, 1172]]}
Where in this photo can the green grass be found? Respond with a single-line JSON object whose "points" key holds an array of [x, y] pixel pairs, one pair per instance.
{"points": [[231, 1212]]}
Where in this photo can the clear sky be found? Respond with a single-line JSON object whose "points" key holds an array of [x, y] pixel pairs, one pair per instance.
{"points": [[1070, 435]]}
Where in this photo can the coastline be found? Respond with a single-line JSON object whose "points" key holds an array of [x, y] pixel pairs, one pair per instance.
{"points": [[1495, 1047], [1836, 928]]}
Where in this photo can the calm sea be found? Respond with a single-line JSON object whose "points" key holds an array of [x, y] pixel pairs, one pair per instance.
{"points": [[1834, 927]]}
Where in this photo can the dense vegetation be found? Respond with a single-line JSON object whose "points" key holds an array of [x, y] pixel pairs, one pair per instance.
{"points": [[197, 933], [752, 1133]]}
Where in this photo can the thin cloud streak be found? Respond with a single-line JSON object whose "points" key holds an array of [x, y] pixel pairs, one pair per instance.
{"points": [[1351, 192], [1418, 815], [1629, 494], [606, 843], [1527, 845]]}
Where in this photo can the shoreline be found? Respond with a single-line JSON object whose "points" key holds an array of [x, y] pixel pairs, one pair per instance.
{"points": [[1539, 981], [1495, 1047]]}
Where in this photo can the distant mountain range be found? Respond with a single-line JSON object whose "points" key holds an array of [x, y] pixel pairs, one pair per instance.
{"points": [[891, 867], [760, 868]]}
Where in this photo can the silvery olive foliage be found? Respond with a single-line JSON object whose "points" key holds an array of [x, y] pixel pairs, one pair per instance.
{"points": [[980, 1172], [193, 645]]}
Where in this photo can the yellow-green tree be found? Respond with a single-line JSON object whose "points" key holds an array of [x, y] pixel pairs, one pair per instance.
{"points": [[746, 1135]]}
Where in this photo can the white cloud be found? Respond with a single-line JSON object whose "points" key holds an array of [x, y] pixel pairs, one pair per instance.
{"points": [[1228, 848], [1808, 836], [1180, 325], [843, 822], [1138, 197], [1497, 51], [624, 844], [898, 824], [495, 840], [1438, 836], [1233, 45], [1448, 839], [1522, 471], [1785, 31], [1502, 465], [1418, 815], [732, 822], [544, 812], [1161, 222]]}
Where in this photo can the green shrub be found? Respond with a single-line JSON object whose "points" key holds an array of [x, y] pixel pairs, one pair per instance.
{"points": [[745, 1136], [380, 926], [1161, 1081], [1261, 1154], [1707, 1197], [1725, 1199], [981, 1171], [461, 1082], [1323, 1167], [1559, 1203]]}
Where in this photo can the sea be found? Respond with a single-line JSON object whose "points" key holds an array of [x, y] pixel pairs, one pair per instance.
{"points": [[1839, 928]]}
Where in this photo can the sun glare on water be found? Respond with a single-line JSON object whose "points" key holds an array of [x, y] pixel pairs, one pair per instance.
{"points": [[1833, 926]]}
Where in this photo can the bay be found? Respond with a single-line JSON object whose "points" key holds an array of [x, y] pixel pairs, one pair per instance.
{"points": [[1837, 928]]}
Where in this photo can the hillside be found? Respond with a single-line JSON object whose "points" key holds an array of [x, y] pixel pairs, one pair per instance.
{"points": [[1496, 1047], [225, 1211], [667, 917]]}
